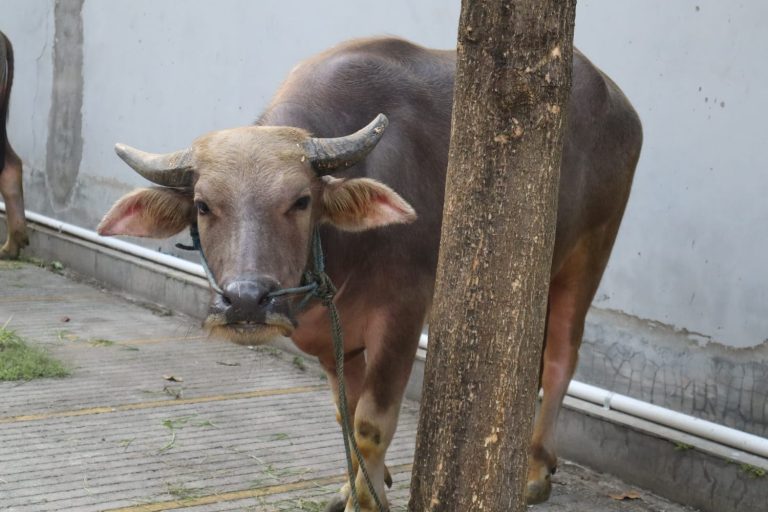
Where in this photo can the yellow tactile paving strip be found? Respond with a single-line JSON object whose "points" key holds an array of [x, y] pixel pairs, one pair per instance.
{"points": [[246, 494], [161, 403], [146, 341], [16, 299], [140, 341]]}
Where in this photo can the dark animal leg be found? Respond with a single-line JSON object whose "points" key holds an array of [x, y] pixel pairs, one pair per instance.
{"points": [[570, 295], [392, 338], [354, 375], [13, 196]]}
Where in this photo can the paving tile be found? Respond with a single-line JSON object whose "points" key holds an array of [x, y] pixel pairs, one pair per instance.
{"points": [[245, 429]]}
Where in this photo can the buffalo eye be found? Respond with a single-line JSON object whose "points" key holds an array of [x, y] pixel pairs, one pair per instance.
{"points": [[202, 208], [301, 203]]}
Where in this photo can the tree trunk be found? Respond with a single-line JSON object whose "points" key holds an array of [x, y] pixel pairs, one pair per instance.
{"points": [[487, 325]]}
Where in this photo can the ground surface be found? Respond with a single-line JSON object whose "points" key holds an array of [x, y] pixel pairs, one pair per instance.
{"points": [[156, 416]]}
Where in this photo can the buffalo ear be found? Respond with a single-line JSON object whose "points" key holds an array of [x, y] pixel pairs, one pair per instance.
{"points": [[361, 203], [149, 212]]}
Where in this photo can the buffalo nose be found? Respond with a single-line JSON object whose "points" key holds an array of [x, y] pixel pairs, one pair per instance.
{"points": [[245, 297]]}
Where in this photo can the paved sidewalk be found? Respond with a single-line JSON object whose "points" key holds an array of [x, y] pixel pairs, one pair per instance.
{"points": [[157, 416]]}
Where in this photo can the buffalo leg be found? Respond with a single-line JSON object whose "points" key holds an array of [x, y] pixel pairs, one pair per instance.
{"points": [[354, 375], [392, 340], [570, 295], [13, 196]]}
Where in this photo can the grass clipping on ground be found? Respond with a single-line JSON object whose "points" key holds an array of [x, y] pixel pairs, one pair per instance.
{"points": [[20, 361]]}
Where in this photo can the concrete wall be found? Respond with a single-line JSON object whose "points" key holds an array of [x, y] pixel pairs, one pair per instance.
{"points": [[687, 276], [157, 73], [691, 250]]}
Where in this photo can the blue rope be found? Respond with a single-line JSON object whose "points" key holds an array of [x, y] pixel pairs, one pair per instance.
{"points": [[195, 234]]}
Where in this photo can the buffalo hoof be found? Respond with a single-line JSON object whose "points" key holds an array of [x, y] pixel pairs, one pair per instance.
{"points": [[12, 247], [338, 504], [538, 490], [9, 254]]}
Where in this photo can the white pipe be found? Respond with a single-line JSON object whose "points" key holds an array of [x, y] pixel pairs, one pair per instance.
{"points": [[685, 423], [743, 441], [702, 428], [119, 245]]}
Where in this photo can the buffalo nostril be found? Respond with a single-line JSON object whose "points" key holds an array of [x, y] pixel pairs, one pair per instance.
{"points": [[225, 300], [248, 296]]}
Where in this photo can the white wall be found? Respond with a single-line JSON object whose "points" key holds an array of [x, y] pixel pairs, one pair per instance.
{"points": [[692, 249], [160, 73], [157, 73]]}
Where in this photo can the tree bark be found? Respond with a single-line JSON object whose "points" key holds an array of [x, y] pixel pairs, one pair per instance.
{"points": [[487, 326]]}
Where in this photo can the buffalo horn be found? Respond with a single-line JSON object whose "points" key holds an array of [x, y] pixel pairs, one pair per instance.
{"points": [[169, 169], [326, 155]]}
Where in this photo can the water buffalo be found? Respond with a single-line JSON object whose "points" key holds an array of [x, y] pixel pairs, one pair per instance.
{"points": [[10, 163], [258, 192]]}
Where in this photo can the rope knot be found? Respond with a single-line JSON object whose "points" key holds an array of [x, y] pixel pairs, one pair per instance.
{"points": [[324, 288]]}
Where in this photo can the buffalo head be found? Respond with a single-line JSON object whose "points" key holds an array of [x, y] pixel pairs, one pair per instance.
{"points": [[256, 194]]}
